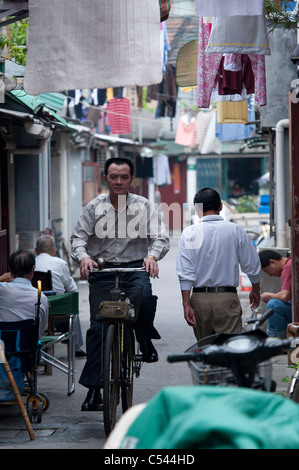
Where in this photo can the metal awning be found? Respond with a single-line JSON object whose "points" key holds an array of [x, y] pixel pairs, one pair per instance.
{"points": [[10, 12], [118, 140]]}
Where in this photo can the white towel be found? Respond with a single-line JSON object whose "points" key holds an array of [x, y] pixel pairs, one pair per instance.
{"points": [[229, 7], [239, 35], [75, 44]]}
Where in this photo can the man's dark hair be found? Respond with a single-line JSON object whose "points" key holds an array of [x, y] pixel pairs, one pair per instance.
{"points": [[118, 161], [209, 198], [21, 263], [267, 255]]}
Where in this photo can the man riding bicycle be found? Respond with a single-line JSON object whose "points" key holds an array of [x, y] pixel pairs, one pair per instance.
{"points": [[126, 231]]}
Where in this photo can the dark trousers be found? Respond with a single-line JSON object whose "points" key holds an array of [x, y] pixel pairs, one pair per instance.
{"points": [[144, 328]]}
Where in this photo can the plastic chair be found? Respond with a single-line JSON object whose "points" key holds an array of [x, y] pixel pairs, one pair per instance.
{"points": [[62, 307]]}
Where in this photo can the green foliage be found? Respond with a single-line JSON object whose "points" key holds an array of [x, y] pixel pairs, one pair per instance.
{"points": [[16, 41], [246, 204], [279, 17]]}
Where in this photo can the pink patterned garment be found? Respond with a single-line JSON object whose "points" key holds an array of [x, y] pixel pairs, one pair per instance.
{"points": [[208, 65]]}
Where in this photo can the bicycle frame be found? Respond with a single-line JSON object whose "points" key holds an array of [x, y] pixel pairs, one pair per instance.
{"points": [[119, 361]]}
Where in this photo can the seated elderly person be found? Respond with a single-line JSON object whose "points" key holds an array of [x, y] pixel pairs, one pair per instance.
{"points": [[62, 280], [18, 297]]}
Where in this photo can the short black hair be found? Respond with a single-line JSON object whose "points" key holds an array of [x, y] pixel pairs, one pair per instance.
{"points": [[118, 161], [267, 255], [209, 198], [21, 263]]}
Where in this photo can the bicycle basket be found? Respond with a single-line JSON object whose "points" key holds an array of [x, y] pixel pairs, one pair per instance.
{"points": [[122, 303], [205, 374]]}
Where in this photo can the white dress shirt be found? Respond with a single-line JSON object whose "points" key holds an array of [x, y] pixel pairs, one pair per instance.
{"points": [[211, 251], [62, 280], [17, 302]]}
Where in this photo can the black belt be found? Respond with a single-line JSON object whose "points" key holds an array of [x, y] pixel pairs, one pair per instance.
{"points": [[215, 289]]}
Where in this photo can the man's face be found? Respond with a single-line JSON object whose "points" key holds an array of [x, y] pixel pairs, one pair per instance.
{"points": [[273, 269], [118, 179]]}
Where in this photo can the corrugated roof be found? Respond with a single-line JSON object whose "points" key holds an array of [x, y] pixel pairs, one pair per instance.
{"points": [[45, 104]]}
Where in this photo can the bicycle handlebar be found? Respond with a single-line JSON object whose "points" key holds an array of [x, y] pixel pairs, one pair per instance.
{"points": [[232, 347], [118, 270], [264, 317]]}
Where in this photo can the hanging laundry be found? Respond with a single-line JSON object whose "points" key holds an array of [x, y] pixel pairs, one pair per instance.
{"points": [[208, 65], [119, 116], [168, 93], [232, 62], [229, 7], [93, 115], [203, 119], [144, 167], [232, 112], [162, 176], [165, 46], [215, 96], [211, 143], [91, 44], [228, 132], [165, 7], [239, 35], [231, 82], [185, 134]]}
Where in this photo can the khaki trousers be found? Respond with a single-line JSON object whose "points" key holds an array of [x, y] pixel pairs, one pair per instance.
{"points": [[216, 313]]}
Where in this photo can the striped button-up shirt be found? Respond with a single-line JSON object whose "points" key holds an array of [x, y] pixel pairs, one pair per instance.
{"points": [[120, 236]]}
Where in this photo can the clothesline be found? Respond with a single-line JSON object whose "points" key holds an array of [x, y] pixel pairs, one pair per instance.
{"points": [[105, 109]]}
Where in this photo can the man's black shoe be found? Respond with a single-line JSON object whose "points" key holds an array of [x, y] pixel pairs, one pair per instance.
{"points": [[80, 353], [149, 353], [93, 400]]}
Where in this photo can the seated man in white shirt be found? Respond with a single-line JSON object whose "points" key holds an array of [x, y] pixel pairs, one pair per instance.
{"points": [[62, 280], [18, 297]]}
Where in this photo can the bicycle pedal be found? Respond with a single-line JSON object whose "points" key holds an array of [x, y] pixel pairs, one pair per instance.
{"points": [[138, 358]]}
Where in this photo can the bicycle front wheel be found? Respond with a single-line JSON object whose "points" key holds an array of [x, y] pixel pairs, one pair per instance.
{"points": [[111, 379], [127, 369]]}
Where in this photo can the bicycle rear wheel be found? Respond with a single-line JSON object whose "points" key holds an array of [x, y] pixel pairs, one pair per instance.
{"points": [[111, 379], [127, 369]]}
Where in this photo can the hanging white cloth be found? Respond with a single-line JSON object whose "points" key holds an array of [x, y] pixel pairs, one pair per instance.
{"points": [[239, 35], [161, 170], [92, 44], [229, 7]]}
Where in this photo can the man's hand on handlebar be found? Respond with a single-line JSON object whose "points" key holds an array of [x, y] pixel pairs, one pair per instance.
{"points": [[86, 266], [151, 267]]}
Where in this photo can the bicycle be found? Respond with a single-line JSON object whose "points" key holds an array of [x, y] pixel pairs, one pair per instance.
{"points": [[237, 359], [214, 413], [120, 363]]}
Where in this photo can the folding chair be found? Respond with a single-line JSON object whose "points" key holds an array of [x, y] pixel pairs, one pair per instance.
{"points": [[47, 288], [16, 391], [19, 356], [46, 280], [65, 306]]}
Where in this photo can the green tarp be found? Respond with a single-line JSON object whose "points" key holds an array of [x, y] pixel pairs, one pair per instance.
{"points": [[207, 417]]}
